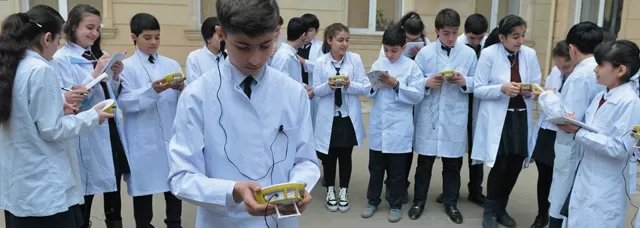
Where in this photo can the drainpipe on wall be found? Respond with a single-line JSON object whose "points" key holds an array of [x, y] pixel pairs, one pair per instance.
{"points": [[552, 23]]}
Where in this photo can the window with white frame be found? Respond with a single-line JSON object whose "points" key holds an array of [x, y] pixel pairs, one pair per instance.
{"points": [[373, 15], [63, 6], [207, 8], [495, 10], [605, 13]]}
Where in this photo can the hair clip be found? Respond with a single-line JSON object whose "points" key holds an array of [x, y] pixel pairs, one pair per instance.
{"points": [[38, 24]]}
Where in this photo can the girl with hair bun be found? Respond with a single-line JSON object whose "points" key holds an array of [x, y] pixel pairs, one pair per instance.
{"points": [[505, 115], [413, 28]]}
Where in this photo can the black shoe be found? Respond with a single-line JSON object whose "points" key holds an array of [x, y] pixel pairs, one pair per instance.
{"points": [[489, 217], [454, 214], [540, 222], [439, 199], [478, 199], [555, 223], [416, 210], [506, 220]]}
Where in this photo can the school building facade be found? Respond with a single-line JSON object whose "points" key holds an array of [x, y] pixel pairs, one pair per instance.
{"points": [[548, 20]]}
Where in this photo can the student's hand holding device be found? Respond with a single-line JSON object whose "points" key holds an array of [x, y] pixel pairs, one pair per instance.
{"points": [[458, 79], [388, 80], [117, 68], [435, 81], [511, 89], [70, 108], [102, 63], [177, 85], [414, 51], [101, 113], [76, 95], [569, 128], [244, 191], [160, 85]]}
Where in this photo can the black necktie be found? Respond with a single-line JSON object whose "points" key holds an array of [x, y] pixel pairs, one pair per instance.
{"points": [[338, 96], [151, 59], [512, 57], [447, 49], [247, 85], [564, 78], [476, 48]]}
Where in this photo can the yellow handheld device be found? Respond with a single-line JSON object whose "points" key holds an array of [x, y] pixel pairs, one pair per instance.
{"points": [[339, 80], [635, 133], [531, 86], [110, 106], [447, 74], [284, 194], [177, 76]]}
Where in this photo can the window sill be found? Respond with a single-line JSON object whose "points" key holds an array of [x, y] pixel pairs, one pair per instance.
{"points": [[108, 33], [193, 34]]}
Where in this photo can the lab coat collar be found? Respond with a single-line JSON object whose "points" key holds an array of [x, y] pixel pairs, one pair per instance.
{"points": [[143, 56], [290, 49], [333, 61], [32, 53], [76, 49], [238, 76], [585, 62], [616, 94]]}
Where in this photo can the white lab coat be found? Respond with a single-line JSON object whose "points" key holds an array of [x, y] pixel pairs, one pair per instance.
{"points": [[553, 81], [492, 71], [148, 121], [206, 159], [577, 93], [94, 148], [390, 130], [608, 167], [201, 61], [286, 61], [326, 109], [39, 173], [441, 117], [314, 54], [381, 55], [476, 101]]}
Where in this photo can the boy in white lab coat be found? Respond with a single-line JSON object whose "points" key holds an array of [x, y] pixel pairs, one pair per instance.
{"points": [[219, 159], [443, 114], [149, 105], [391, 133], [286, 58], [312, 49], [206, 58]]}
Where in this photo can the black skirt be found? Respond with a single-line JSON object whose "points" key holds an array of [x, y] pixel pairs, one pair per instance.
{"points": [[514, 134], [342, 133], [544, 151]]}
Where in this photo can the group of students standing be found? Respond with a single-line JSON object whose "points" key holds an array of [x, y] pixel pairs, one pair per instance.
{"points": [[255, 112]]}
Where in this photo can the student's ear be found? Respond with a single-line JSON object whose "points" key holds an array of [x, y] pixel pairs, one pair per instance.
{"points": [[134, 37], [622, 71], [46, 39], [219, 33], [501, 37]]}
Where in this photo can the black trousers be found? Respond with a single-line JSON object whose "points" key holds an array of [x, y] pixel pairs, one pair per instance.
{"points": [[476, 172], [143, 211], [395, 166], [503, 176], [68, 219], [545, 176], [329, 162], [450, 177]]}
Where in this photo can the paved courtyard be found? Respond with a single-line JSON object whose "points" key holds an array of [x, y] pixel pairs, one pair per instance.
{"points": [[522, 205]]}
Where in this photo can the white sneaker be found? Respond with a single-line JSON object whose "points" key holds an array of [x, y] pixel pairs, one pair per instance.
{"points": [[343, 201], [331, 201]]}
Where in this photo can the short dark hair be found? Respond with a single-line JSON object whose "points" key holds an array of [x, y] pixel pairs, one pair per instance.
{"points": [[250, 17], [585, 36], [476, 23], [618, 53], [607, 35], [296, 28], [208, 28], [143, 21], [447, 17], [394, 36], [311, 20], [280, 20], [561, 50], [506, 26]]}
